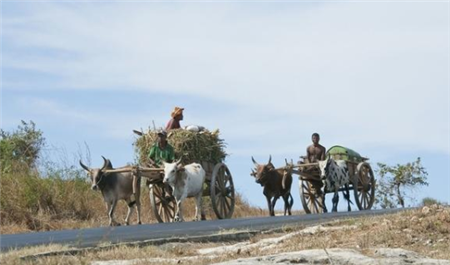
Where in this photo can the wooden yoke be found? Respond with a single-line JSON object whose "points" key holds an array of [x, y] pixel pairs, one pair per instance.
{"points": [[138, 172], [130, 168], [298, 169], [299, 166]]}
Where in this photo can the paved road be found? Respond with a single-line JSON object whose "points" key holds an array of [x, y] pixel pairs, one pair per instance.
{"points": [[95, 236]]}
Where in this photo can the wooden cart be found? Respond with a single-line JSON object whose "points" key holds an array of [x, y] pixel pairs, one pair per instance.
{"points": [[361, 175], [218, 185]]}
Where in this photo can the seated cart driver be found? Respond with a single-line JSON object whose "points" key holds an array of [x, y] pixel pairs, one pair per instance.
{"points": [[161, 150], [315, 152]]}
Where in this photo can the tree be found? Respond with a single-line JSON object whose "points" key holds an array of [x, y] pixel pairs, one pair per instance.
{"points": [[20, 148], [395, 180]]}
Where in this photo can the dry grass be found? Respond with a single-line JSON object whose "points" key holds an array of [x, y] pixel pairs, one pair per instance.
{"points": [[61, 197], [425, 231], [25, 219]]}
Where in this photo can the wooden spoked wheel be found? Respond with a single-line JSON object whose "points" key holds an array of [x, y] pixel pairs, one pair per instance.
{"points": [[364, 186], [163, 203], [222, 191], [311, 201]]}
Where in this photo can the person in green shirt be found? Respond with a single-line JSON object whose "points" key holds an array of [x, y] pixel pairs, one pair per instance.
{"points": [[161, 151]]}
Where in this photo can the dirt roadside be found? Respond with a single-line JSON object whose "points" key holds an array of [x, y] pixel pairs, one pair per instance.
{"points": [[419, 236]]}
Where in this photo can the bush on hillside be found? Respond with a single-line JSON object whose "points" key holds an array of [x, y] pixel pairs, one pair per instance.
{"points": [[19, 150]]}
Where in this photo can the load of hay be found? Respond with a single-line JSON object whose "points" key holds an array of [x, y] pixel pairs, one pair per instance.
{"points": [[188, 145]]}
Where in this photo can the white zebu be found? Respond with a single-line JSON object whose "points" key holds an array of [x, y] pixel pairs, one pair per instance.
{"points": [[334, 175], [186, 182]]}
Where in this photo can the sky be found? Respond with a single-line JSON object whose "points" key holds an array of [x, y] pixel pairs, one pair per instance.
{"points": [[371, 76]]}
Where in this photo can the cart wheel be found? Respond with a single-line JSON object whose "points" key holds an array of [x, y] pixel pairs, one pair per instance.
{"points": [[310, 201], [364, 186], [222, 192], [163, 203]]}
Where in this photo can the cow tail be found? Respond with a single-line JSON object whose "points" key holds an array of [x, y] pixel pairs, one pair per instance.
{"points": [[291, 203]]}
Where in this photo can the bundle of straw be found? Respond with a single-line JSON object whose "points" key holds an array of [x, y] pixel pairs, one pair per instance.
{"points": [[189, 146]]}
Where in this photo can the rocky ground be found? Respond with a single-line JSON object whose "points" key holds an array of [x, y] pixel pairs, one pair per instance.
{"points": [[339, 256], [336, 256], [411, 237], [415, 237]]}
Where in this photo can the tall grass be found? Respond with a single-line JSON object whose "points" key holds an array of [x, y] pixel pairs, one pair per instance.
{"points": [[38, 194], [61, 198], [31, 202]]}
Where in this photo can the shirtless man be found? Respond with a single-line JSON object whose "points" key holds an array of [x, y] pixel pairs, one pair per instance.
{"points": [[315, 152]]}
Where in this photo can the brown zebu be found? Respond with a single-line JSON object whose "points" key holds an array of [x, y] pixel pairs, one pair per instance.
{"points": [[276, 183], [115, 186]]}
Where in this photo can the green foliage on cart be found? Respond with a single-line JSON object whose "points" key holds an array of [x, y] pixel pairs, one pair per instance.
{"points": [[190, 146], [344, 153]]}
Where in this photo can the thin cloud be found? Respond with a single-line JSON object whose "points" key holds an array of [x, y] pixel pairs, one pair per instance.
{"points": [[370, 76], [312, 65]]}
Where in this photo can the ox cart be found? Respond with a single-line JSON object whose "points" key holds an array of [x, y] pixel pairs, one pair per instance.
{"points": [[218, 186], [205, 148], [362, 180]]}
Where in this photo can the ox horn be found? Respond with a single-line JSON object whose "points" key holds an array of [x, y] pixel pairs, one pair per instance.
{"points": [[254, 162], [84, 166], [105, 163], [270, 159], [179, 161]]}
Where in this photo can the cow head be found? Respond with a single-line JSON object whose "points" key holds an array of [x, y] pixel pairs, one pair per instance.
{"points": [[325, 166], [171, 170], [289, 166], [261, 171], [97, 174]]}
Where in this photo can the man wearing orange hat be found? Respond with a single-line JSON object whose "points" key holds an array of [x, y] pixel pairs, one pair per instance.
{"points": [[177, 116]]}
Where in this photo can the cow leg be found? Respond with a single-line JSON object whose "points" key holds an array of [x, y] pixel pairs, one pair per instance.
{"points": [[179, 213], [347, 197], [291, 203], [269, 204], [335, 201], [138, 210], [137, 197], [130, 205], [199, 214], [274, 201], [176, 217], [320, 195], [287, 206], [108, 210], [112, 207], [322, 202]]}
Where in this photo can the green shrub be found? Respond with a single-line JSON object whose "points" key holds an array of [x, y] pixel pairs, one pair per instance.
{"points": [[20, 149], [427, 201]]}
